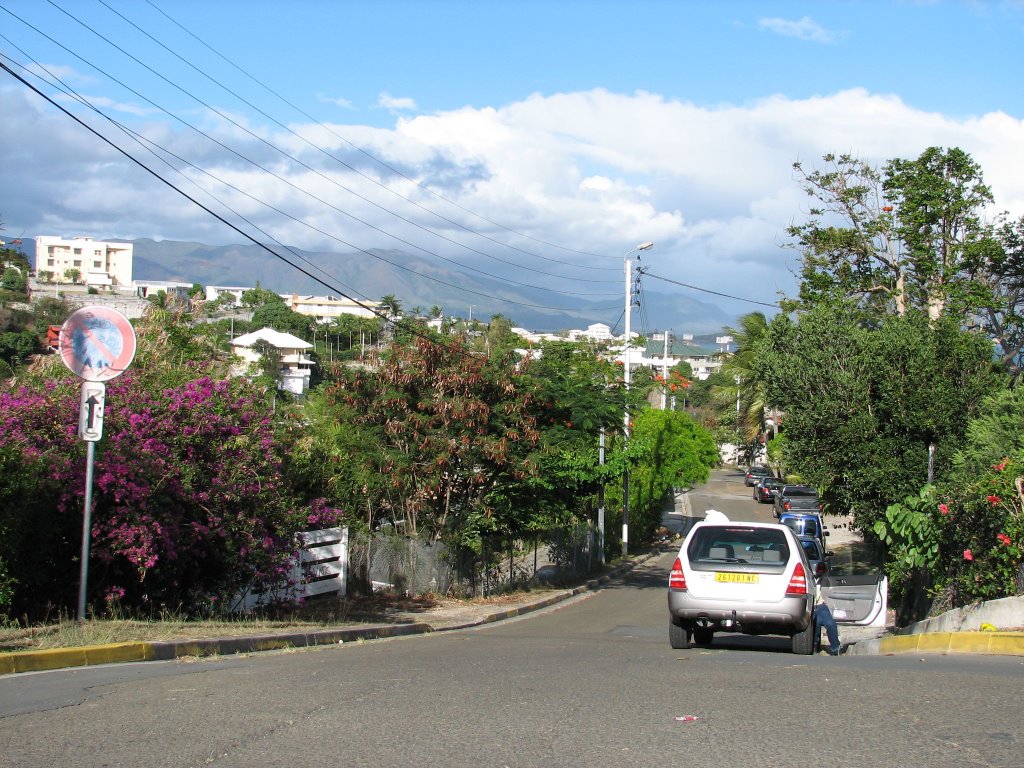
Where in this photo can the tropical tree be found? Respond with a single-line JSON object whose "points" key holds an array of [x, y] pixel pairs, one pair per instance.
{"points": [[391, 305], [865, 405], [449, 431], [744, 395]]}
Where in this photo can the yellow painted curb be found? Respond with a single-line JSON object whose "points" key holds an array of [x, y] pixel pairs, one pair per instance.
{"points": [[57, 658], [1001, 643]]}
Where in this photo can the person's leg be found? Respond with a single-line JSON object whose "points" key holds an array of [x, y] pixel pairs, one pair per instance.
{"points": [[823, 618]]}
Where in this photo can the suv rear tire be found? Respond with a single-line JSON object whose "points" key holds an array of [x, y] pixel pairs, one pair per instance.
{"points": [[803, 642], [678, 636]]}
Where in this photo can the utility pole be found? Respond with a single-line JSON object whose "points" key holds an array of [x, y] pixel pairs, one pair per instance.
{"points": [[664, 374], [626, 378], [600, 501]]}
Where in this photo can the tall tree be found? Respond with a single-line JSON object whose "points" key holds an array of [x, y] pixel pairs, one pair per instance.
{"points": [[908, 236], [864, 403], [746, 389]]}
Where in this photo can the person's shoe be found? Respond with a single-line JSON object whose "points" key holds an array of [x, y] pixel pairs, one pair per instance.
{"points": [[835, 651]]}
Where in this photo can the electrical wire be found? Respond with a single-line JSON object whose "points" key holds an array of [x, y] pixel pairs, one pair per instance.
{"points": [[411, 328], [713, 293], [372, 157], [294, 159]]}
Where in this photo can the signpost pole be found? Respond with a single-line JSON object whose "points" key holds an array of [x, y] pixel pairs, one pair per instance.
{"points": [[96, 344], [86, 530]]}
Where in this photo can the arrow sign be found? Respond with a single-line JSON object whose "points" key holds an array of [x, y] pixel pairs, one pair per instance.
{"points": [[90, 415]]}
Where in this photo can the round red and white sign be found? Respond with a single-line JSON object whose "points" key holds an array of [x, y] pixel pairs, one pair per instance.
{"points": [[97, 343]]}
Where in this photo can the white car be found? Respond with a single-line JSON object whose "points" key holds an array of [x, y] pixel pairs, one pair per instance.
{"points": [[755, 578], [746, 577]]}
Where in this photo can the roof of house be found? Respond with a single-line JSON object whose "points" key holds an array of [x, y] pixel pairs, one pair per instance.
{"points": [[272, 337]]}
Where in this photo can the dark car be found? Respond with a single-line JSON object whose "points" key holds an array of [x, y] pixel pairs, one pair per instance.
{"points": [[765, 488], [755, 473], [816, 555], [797, 498]]}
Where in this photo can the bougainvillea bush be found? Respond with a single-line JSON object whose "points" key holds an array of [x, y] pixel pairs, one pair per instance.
{"points": [[190, 506]]}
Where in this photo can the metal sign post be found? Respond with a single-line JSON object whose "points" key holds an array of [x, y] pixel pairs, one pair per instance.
{"points": [[96, 344]]}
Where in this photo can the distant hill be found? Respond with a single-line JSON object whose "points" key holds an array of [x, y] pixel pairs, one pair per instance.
{"points": [[415, 281]]}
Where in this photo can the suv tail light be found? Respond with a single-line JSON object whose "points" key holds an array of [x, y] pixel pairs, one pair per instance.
{"points": [[797, 582], [786, 506], [676, 579]]}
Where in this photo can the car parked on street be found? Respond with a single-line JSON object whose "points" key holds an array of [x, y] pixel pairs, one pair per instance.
{"points": [[805, 524], [796, 498], [765, 488], [752, 578], [755, 473], [817, 555]]}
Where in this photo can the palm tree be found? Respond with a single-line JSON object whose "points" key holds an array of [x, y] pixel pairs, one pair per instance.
{"points": [[747, 395], [391, 305]]}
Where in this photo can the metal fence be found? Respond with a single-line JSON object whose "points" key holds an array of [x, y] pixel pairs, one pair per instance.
{"points": [[404, 565]]}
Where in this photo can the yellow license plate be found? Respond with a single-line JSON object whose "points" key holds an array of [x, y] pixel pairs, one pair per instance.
{"points": [[737, 578]]}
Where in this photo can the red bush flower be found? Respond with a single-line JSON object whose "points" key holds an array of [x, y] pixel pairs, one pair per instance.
{"points": [[993, 499], [1003, 539], [944, 509], [968, 555], [1000, 466]]}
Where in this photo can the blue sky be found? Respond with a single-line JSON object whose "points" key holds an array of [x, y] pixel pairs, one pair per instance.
{"points": [[586, 125]]}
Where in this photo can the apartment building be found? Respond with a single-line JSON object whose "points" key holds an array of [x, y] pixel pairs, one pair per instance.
{"points": [[327, 309], [84, 260]]}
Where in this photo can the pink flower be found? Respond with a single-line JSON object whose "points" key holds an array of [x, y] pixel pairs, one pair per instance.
{"points": [[1003, 539], [993, 499], [944, 509], [968, 555]]}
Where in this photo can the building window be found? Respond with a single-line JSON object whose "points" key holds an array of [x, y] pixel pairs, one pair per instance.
{"points": [[77, 262], [49, 262], [97, 264], [78, 251]]}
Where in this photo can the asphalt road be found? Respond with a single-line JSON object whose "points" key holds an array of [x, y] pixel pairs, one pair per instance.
{"points": [[589, 682]]}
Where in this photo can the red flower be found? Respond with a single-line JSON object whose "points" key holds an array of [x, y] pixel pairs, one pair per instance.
{"points": [[1003, 539], [944, 509], [886, 208], [993, 499], [1000, 466], [968, 555]]}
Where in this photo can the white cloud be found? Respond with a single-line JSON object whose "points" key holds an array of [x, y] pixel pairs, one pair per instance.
{"points": [[395, 104], [593, 171], [804, 29], [336, 101]]}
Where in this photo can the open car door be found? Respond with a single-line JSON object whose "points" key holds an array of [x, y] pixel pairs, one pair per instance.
{"points": [[856, 588]]}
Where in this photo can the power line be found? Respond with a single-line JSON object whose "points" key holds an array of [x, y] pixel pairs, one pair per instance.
{"points": [[372, 157], [713, 293], [291, 157], [289, 183]]}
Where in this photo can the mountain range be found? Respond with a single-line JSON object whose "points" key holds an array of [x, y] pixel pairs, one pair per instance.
{"points": [[416, 282]]}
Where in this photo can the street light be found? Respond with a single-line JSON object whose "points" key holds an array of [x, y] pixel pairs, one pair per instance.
{"points": [[625, 362]]}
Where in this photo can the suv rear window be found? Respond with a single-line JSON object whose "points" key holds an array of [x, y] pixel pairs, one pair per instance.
{"points": [[713, 545], [801, 526]]}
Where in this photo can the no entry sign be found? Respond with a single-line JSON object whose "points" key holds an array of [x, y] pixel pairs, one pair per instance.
{"points": [[97, 343]]}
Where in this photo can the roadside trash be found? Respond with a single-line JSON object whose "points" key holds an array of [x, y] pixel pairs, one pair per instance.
{"points": [[987, 628], [686, 718]]}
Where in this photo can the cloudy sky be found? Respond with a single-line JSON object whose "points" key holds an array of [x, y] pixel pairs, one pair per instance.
{"points": [[533, 141]]}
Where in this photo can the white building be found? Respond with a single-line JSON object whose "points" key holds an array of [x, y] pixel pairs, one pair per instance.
{"points": [[214, 292], [97, 263], [327, 309], [295, 368], [148, 288]]}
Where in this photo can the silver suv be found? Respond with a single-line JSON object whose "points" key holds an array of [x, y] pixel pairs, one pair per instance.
{"points": [[752, 578]]}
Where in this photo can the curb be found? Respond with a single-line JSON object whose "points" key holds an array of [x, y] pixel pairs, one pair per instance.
{"points": [[113, 653], [985, 643]]}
